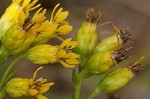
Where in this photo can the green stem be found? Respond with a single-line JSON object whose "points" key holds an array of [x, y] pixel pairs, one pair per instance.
{"points": [[77, 87], [2, 94], [3, 55], [94, 93], [9, 69]]}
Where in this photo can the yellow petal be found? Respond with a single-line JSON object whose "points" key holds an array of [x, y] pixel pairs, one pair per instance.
{"points": [[61, 17], [65, 43], [48, 84], [32, 92], [72, 61], [73, 44], [46, 87], [33, 3], [58, 12], [25, 3], [21, 18], [66, 65], [72, 55], [61, 53], [41, 97], [64, 29]]}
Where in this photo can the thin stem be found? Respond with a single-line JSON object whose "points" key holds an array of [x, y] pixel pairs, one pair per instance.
{"points": [[2, 94], [3, 55], [94, 93], [77, 87], [9, 69]]}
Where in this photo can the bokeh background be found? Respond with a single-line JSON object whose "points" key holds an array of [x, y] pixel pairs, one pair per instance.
{"points": [[124, 13]]}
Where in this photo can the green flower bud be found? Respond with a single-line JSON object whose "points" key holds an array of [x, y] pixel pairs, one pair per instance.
{"points": [[116, 80], [17, 87], [114, 42], [104, 61], [87, 35], [42, 54]]}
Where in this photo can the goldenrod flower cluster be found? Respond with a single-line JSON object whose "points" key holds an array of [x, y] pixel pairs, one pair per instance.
{"points": [[24, 34]]}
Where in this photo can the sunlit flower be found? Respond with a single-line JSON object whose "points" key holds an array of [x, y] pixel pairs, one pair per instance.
{"points": [[65, 54], [18, 87], [10, 17], [44, 54], [33, 30], [54, 27], [38, 87]]}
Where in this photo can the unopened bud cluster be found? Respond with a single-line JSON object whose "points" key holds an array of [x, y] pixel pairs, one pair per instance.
{"points": [[102, 57]]}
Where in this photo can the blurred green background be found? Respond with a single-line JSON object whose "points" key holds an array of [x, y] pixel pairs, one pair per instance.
{"points": [[124, 13]]}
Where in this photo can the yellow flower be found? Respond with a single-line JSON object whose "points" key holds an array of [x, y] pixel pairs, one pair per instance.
{"points": [[23, 33], [65, 55], [32, 30], [44, 54], [38, 87], [10, 17], [54, 27], [18, 87]]}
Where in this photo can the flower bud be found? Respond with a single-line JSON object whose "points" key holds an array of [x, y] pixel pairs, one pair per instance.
{"points": [[104, 61], [17, 87], [86, 34], [114, 42], [42, 54], [118, 78]]}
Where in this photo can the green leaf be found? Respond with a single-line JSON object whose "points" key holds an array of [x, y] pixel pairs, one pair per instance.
{"points": [[75, 79]]}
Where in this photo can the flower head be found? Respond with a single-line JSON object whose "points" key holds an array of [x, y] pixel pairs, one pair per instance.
{"points": [[34, 30], [101, 62], [10, 17], [44, 54], [65, 55], [54, 27], [114, 42], [38, 87], [18, 87], [87, 35]]}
